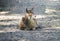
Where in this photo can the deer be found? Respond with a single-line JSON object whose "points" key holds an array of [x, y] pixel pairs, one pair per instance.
{"points": [[27, 22]]}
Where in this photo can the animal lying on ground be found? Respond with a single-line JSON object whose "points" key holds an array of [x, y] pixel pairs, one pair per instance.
{"points": [[28, 22]]}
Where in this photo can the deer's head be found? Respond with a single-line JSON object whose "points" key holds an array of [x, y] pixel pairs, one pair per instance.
{"points": [[29, 11]]}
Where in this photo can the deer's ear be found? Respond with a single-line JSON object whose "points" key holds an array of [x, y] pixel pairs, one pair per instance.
{"points": [[32, 8], [26, 10]]}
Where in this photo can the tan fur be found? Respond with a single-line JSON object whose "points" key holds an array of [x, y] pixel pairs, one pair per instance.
{"points": [[21, 25]]}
